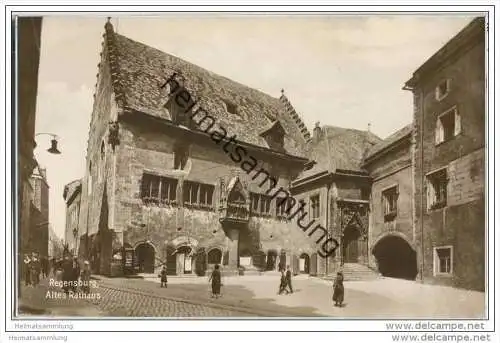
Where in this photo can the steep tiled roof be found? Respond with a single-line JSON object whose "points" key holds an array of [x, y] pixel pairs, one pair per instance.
{"points": [[339, 148], [396, 136], [138, 71], [71, 188]]}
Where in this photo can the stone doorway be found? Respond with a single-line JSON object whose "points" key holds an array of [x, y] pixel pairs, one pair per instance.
{"points": [[304, 263], [351, 245], [145, 253], [184, 260]]}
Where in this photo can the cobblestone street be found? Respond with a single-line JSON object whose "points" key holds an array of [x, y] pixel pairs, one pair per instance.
{"points": [[255, 296]]}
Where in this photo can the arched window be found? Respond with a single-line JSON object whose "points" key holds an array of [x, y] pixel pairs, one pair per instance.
{"points": [[214, 256]]}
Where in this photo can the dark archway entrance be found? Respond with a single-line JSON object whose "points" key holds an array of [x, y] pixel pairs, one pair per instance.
{"points": [[171, 260], [396, 258], [272, 256], [304, 263], [145, 253], [351, 245]]}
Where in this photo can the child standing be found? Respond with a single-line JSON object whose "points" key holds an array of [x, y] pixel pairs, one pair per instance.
{"points": [[163, 276], [338, 289]]}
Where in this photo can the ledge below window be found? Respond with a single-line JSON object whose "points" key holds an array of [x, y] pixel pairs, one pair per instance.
{"points": [[437, 205], [201, 207]]}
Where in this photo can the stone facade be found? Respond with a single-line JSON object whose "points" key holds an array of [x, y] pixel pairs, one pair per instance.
{"points": [[452, 81], [28, 43], [129, 145], [72, 197], [39, 216], [391, 234]]}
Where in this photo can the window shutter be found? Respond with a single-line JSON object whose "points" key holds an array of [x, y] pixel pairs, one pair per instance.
{"points": [[458, 124], [430, 200], [439, 130]]}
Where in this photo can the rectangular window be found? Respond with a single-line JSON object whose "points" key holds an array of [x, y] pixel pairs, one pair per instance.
{"points": [[283, 207], [206, 194], [157, 189], [390, 203], [442, 89], [198, 194], [180, 157], [315, 210], [261, 204], [265, 204], [448, 125], [254, 198], [443, 260], [437, 183]]}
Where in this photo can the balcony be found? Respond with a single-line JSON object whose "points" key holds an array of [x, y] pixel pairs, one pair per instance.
{"points": [[234, 213]]}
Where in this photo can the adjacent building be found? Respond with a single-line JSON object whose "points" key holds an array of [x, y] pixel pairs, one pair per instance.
{"points": [[28, 59], [72, 197], [39, 213], [449, 160]]}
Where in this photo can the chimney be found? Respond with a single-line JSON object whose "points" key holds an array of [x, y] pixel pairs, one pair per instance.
{"points": [[317, 132]]}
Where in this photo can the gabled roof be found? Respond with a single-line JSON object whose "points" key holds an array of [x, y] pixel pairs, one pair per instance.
{"points": [[339, 148], [138, 71], [404, 132], [273, 126], [71, 189]]}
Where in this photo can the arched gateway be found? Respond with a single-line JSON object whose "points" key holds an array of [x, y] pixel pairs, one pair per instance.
{"points": [[395, 257]]}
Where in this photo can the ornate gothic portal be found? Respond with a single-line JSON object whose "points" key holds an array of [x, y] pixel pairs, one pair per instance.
{"points": [[234, 214], [354, 226]]}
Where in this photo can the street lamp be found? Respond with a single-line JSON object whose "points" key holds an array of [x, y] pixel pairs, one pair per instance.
{"points": [[53, 143]]}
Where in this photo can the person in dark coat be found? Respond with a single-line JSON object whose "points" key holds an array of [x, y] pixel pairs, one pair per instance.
{"points": [[215, 278], [76, 274], [289, 279], [283, 283], [163, 276], [45, 267], [27, 269], [67, 273], [338, 289], [35, 269]]}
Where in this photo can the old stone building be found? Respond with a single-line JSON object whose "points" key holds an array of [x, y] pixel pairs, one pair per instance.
{"points": [[28, 60], [336, 193], [72, 197], [391, 238], [39, 212], [449, 160], [160, 184]]}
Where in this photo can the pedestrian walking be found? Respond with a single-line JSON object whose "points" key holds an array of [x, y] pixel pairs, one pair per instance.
{"points": [[27, 270], [338, 289], [76, 274], [163, 276], [45, 266], [216, 280], [289, 278], [35, 269], [67, 273], [85, 277], [283, 283]]}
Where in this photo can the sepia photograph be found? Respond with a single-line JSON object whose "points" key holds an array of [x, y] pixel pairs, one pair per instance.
{"points": [[238, 165]]}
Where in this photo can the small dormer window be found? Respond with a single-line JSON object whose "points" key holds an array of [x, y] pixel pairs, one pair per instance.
{"points": [[231, 107], [275, 136]]}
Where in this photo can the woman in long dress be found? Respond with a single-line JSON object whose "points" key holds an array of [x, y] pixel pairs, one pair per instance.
{"points": [[338, 289], [215, 278]]}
